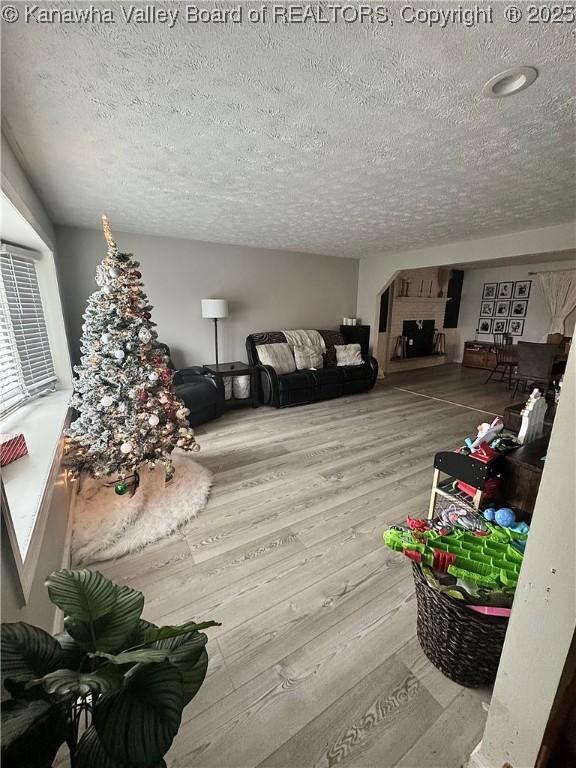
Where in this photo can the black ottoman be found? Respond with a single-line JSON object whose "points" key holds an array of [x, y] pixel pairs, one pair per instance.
{"points": [[201, 393]]}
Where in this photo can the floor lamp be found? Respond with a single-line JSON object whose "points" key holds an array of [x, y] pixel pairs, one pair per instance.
{"points": [[215, 309]]}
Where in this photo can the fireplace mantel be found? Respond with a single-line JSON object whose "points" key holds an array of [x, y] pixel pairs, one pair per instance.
{"points": [[422, 299]]}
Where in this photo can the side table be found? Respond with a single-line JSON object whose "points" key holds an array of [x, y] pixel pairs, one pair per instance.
{"points": [[223, 370]]}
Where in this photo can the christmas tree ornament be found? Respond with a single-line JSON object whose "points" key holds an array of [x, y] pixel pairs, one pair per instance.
{"points": [[126, 403]]}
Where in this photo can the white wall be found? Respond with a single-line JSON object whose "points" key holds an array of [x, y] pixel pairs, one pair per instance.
{"points": [[537, 321], [376, 271], [543, 618], [22, 195], [267, 290]]}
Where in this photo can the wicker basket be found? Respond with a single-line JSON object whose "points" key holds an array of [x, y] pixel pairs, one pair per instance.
{"points": [[464, 645]]}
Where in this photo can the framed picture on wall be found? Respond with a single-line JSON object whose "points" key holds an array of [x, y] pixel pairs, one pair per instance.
{"points": [[515, 327], [522, 289], [487, 309], [485, 325], [489, 291], [519, 308], [502, 308], [500, 326], [505, 290]]}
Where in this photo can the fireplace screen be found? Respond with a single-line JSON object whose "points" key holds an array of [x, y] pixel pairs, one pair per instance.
{"points": [[419, 335]]}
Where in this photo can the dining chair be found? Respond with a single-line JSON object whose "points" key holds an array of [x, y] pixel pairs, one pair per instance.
{"points": [[534, 365], [505, 357]]}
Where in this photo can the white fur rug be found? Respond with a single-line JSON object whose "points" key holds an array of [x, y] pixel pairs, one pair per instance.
{"points": [[107, 525]]}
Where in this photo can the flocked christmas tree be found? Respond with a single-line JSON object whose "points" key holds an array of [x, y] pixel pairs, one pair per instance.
{"points": [[128, 413]]}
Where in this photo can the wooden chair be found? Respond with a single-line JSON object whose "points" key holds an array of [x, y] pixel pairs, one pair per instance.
{"points": [[505, 357], [535, 364]]}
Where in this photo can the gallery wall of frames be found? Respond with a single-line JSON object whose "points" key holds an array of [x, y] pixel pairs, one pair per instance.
{"points": [[504, 307]]}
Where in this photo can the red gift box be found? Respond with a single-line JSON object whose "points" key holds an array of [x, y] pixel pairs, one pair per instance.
{"points": [[12, 447]]}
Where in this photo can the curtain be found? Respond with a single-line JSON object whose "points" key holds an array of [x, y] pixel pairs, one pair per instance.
{"points": [[560, 293]]}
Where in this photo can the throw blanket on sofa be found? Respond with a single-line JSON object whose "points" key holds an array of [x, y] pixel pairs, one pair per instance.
{"points": [[305, 339]]}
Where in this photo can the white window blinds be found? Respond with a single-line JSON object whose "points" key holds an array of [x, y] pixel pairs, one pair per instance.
{"points": [[26, 367]]}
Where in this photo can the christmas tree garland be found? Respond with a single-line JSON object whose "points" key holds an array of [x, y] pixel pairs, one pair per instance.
{"points": [[129, 414]]}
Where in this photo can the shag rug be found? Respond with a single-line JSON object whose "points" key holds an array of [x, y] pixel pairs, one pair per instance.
{"points": [[107, 526]]}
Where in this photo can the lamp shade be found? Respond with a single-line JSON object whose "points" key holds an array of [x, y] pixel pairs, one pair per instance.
{"points": [[214, 308]]}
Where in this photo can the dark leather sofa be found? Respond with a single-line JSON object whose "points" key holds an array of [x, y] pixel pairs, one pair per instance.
{"points": [[200, 391], [308, 386]]}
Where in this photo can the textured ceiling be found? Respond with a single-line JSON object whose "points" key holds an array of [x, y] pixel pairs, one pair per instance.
{"points": [[342, 139]]}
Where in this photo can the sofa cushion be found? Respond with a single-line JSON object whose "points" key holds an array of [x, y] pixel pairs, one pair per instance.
{"points": [[348, 354], [279, 356], [329, 375], [297, 380], [329, 358], [307, 357], [356, 372]]}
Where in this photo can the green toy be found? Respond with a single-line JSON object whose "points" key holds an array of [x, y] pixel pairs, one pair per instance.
{"points": [[489, 561]]}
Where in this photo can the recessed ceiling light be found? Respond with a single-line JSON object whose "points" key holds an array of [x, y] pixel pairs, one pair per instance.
{"points": [[509, 82]]}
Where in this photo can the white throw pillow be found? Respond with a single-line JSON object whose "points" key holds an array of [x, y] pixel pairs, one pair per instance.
{"points": [[279, 356], [308, 356], [348, 354]]}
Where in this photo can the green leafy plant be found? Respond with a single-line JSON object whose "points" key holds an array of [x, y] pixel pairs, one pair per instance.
{"points": [[112, 686]]}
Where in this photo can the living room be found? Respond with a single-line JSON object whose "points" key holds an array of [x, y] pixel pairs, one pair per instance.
{"points": [[248, 313]]}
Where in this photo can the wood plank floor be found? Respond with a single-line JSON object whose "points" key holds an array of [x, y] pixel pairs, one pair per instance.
{"points": [[316, 662]]}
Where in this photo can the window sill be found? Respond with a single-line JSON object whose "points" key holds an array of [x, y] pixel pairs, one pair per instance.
{"points": [[28, 481]]}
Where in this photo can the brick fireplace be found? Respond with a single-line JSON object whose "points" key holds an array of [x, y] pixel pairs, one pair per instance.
{"points": [[414, 317]]}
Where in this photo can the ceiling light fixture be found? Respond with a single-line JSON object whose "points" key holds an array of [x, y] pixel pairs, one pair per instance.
{"points": [[509, 82]]}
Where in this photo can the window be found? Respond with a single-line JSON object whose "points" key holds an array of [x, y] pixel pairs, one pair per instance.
{"points": [[26, 366]]}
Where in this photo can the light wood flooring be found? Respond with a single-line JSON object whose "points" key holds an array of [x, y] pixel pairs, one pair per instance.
{"points": [[316, 662]]}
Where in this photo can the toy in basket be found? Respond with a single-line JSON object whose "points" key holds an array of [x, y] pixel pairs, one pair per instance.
{"points": [[483, 560], [465, 569]]}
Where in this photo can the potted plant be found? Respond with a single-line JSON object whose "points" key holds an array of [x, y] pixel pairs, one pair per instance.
{"points": [[112, 685]]}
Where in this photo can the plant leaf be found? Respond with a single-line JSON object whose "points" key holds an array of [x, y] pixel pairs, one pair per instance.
{"points": [[138, 655], [137, 723], [38, 723], [91, 754], [99, 614], [73, 655], [27, 652], [188, 655], [163, 633], [84, 595], [137, 636], [69, 682], [110, 632], [18, 717]]}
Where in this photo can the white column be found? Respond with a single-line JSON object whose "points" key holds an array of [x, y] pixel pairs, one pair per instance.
{"points": [[543, 618]]}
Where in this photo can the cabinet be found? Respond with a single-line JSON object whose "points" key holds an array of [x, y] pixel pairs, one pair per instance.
{"points": [[479, 354], [357, 334]]}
